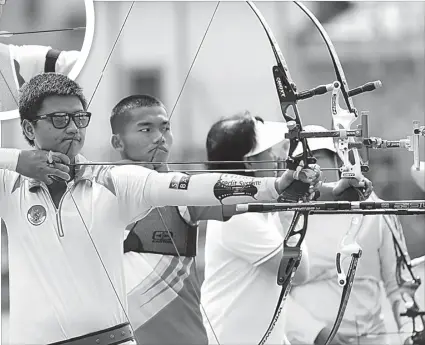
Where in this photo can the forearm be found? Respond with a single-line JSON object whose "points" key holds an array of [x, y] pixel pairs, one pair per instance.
{"points": [[207, 189], [9, 159]]}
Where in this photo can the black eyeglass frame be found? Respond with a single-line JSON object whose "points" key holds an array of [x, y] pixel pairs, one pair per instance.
{"points": [[70, 116]]}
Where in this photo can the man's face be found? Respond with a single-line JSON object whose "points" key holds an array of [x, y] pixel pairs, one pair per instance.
{"points": [[69, 140], [146, 136], [268, 155], [327, 159]]}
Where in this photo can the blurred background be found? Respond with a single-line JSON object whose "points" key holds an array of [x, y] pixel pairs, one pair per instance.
{"points": [[36, 15], [233, 72], [33, 22]]}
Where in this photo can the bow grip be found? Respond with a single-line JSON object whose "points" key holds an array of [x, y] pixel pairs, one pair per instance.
{"points": [[297, 191]]}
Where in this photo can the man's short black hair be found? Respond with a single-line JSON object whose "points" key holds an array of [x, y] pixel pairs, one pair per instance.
{"points": [[230, 139], [41, 86], [118, 119]]}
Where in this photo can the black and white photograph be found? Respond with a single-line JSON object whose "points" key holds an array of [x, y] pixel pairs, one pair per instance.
{"points": [[41, 36], [228, 173]]}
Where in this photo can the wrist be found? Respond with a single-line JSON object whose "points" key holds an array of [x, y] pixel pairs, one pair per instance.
{"points": [[9, 159]]}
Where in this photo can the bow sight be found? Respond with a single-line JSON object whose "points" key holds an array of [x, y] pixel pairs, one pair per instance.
{"points": [[361, 132]]}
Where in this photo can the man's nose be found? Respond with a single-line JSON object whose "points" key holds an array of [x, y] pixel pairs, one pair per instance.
{"points": [[72, 127], [160, 139]]}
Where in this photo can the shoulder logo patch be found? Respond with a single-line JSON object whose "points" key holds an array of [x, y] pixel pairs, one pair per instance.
{"points": [[180, 182]]}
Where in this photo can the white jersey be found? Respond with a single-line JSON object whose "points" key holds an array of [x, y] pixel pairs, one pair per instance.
{"points": [[59, 288], [66, 270], [239, 296]]}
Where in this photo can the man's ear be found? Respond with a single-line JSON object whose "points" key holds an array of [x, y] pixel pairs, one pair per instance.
{"points": [[28, 129], [117, 143]]}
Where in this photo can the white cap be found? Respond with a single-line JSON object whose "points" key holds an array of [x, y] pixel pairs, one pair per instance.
{"points": [[316, 143], [267, 134]]}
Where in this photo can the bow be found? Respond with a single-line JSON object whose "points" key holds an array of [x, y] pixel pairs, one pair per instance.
{"points": [[342, 121], [288, 98]]}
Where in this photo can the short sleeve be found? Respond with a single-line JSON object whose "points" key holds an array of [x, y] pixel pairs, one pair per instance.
{"points": [[66, 61], [30, 58]]}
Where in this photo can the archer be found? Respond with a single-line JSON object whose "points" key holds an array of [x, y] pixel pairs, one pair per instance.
{"points": [[160, 268], [66, 219]]}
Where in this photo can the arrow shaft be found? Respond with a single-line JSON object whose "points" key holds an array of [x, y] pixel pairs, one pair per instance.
{"points": [[11, 34]]}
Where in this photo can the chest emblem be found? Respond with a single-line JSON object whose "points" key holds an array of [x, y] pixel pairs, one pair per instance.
{"points": [[36, 215]]}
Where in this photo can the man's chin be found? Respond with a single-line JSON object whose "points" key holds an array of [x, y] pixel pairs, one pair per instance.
{"points": [[160, 157], [71, 152]]}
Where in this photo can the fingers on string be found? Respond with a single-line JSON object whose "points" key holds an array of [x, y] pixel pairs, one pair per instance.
{"points": [[53, 173], [57, 157]]}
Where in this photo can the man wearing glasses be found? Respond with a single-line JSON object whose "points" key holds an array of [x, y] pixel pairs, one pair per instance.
{"points": [[66, 218], [20, 63]]}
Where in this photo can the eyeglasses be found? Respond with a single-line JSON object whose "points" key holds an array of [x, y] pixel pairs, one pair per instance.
{"points": [[61, 120]]}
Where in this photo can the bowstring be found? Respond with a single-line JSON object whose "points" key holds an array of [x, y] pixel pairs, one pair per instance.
{"points": [[180, 258], [75, 202]]}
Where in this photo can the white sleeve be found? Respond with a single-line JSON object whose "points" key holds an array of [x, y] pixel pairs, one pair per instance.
{"points": [[250, 237], [209, 189], [140, 189], [66, 61], [8, 163], [9, 159], [32, 58]]}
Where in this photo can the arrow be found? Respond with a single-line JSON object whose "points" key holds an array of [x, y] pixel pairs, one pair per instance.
{"points": [[7, 34]]}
